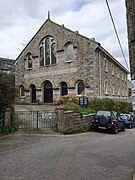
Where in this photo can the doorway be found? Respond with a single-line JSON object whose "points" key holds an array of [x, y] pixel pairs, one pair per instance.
{"points": [[48, 92]]}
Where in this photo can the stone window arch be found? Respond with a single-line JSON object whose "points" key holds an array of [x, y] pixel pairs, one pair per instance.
{"points": [[22, 90], [106, 87], [112, 68], [29, 60], [32, 93], [113, 89], [106, 64], [69, 51], [118, 73], [47, 51], [63, 88], [47, 92], [41, 56], [118, 90], [80, 88]]}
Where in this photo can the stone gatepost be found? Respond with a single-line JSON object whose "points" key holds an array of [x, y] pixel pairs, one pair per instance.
{"points": [[7, 118], [61, 119]]}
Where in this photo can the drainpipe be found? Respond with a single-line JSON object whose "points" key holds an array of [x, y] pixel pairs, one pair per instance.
{"points": [[99, 59]]}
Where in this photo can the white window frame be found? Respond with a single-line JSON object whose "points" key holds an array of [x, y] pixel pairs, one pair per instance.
{"points": [[113, 89], [42, 44], [106, 64], [66, 52], [112, 69], [106, 87], [29, 55]]}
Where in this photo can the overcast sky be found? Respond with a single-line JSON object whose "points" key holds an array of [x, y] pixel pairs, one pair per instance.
{"points": [[21, 19]]}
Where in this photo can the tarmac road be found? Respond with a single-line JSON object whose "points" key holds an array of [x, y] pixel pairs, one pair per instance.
{"points": [[87, 156]]}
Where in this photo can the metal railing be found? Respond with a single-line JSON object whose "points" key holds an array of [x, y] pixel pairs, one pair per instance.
{"points": [[34, 119]]}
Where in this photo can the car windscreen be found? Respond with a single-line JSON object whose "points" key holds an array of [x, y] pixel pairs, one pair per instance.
{"points": [[104, 113], [124, 117]]}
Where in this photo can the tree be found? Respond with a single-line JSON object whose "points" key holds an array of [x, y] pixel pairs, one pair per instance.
{"points": [[8, 92]]}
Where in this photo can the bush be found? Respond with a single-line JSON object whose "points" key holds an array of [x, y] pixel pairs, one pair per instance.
{"points": [[110, 104], [69, 103], [65, 99], [12, 128], [122, 106], [72, 106], [87, 111], [72, 103]]}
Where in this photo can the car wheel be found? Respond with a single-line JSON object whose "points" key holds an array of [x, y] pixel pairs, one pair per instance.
{"points": [[116, 130], [123, 129], [95, 129]]}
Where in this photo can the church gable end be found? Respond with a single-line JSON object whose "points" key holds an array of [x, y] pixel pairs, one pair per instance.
{"points": [[59, 57]]}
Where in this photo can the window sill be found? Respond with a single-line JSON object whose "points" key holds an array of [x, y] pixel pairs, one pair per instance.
{"points": [[47, 65], [22, 97], [70, 61]]}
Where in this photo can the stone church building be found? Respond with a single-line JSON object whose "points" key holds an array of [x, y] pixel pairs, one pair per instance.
{"points": [[58, 62]]}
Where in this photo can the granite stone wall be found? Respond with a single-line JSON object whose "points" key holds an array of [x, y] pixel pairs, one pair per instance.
{"points": [[87, 66]]}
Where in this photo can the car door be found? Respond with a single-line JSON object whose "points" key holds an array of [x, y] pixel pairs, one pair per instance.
{"points": [[133, 121], [120, 122]]}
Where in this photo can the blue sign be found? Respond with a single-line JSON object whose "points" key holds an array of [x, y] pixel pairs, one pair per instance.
{"points": [[83, 100]]}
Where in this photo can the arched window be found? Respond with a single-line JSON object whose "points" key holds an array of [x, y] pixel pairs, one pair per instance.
{"points": [[32, 93], [22, 91], [64, 90], [41, 56], [112, 69], [113, 89], [47, 53], [118, 90], [118, 73], [80, 87], [69, 51], [106, 64], [106, 87], [53, 53], [29, 59]]}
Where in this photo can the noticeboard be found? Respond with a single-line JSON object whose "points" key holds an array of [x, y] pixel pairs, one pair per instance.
{"points": [[83, 101]]}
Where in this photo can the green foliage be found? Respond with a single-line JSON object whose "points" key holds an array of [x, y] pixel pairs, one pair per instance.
{"points": [[65, 99], [87, 111], [110, 104], [96, 103], [72, 106], [72, 103], [122, 106], [69, 103], [10, 129], [8, 91], [55, 128]]}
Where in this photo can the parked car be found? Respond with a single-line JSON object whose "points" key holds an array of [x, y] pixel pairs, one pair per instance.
{"points": [[107, 120], [129, 120]]}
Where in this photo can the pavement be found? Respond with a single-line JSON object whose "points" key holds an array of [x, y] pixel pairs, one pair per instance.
{"points": [[44, 131]]}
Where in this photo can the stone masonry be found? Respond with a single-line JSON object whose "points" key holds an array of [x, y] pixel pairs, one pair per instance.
{"points": [[100, 73]]}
